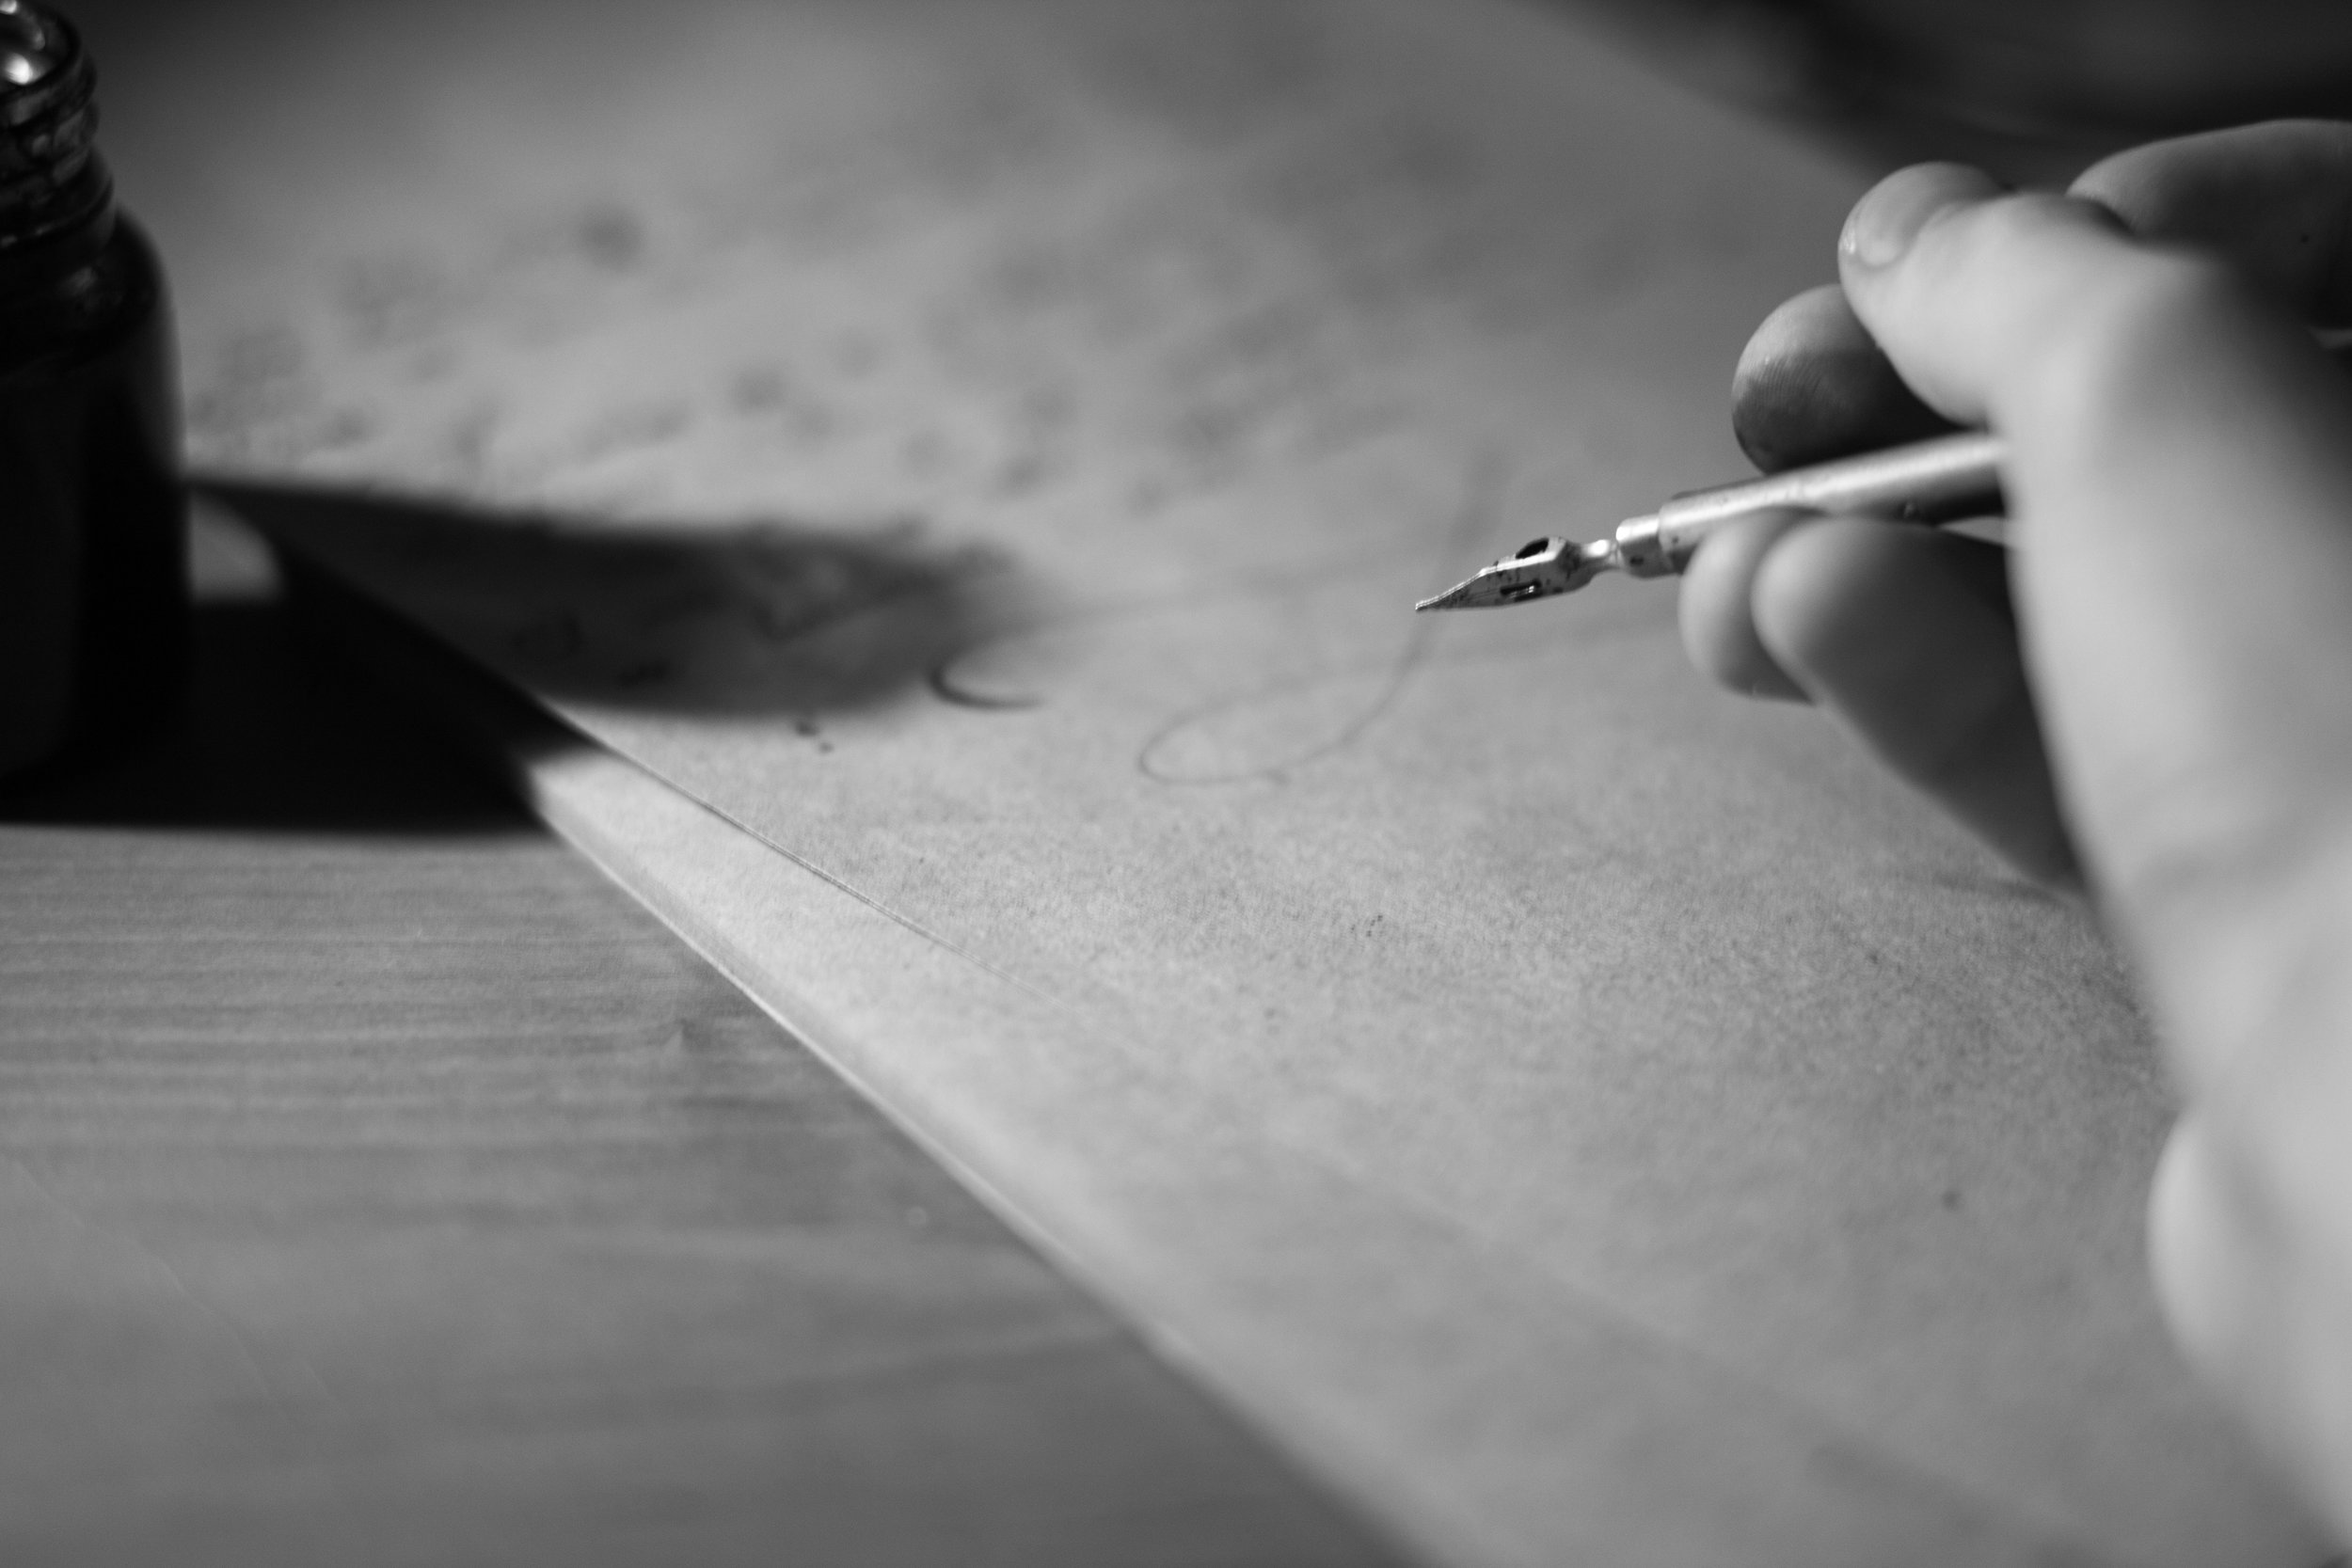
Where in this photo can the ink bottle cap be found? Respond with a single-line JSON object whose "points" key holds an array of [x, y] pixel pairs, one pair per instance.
{"points": [[93, 574]]}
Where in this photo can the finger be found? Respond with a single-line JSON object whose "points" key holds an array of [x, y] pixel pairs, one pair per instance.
{"points": [[2180, 475], [2275, 199], [1717, 629], [1905, 635], [1883, 249], [1812, 385]]}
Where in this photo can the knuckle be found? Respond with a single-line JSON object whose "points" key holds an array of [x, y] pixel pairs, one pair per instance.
{"points": [[2194, 833], [2105, 339], [2242, 894], [2242, 943]]}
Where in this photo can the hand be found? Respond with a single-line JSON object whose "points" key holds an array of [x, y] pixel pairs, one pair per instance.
{"points": [[2153, 693]]}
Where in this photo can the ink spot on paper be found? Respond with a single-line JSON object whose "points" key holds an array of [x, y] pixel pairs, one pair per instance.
{"points": [[950, 688], [1006, 675]]}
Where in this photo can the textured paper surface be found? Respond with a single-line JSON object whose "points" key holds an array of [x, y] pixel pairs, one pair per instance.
{"points": [[988, 453]]}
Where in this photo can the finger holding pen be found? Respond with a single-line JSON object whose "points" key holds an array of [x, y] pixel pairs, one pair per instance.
{"points": [[1813, 384], [2180, 481], [2180, 472], [1811, 387], [1903, 633]]}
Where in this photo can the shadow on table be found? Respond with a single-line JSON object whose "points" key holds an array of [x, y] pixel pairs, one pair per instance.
{"points": [[279, 734], [311, 709]]}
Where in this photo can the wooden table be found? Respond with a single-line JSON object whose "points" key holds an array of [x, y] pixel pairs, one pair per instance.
{"points": [[378, 1185]]}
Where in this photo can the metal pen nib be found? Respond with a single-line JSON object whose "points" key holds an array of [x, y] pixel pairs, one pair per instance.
{"points": [[1541, 568]]}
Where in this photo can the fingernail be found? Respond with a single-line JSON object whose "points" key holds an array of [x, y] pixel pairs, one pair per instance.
{"points": [[1883, 223]]}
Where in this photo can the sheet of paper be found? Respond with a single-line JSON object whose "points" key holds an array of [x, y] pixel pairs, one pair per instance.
{"points": [[987, 452]]}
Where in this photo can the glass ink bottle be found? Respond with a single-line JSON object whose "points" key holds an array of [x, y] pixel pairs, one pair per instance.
{"points": [[93, 567]]}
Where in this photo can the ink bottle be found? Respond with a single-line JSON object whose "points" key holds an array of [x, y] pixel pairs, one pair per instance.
{"points": [[93, 549]]}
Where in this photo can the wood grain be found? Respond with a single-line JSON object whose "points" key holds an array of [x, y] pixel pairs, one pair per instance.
{"points": [[380, 1185]]}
